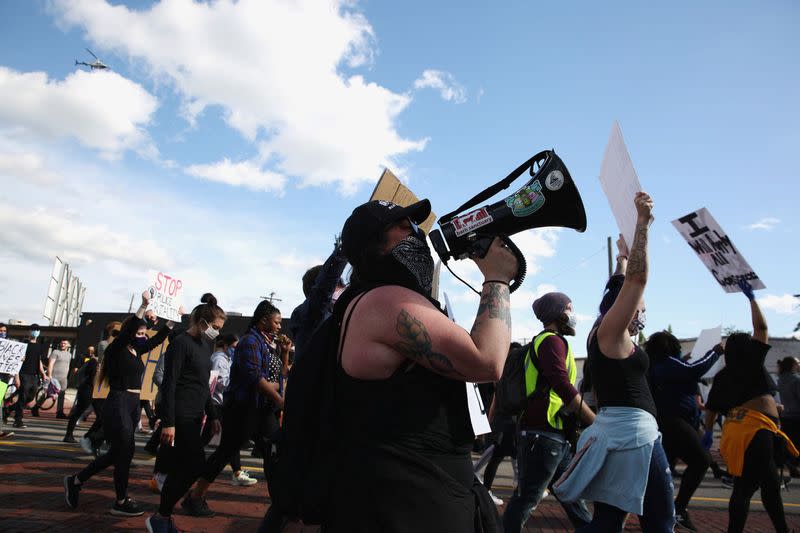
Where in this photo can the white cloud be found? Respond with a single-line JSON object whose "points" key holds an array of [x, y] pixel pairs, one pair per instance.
{"points": [[102, 110], [444, 82], [766, 223], [276, 69], [42, 233], [26, 166], [783, 305], [244, 173]]}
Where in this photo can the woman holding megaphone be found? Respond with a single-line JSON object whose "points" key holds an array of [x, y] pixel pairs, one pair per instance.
{"points": [[620, 463]]}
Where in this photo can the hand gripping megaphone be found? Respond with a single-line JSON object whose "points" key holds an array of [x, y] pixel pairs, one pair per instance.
{"points": [[549, 198]]}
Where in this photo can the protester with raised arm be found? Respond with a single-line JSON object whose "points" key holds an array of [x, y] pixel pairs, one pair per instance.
{"points": [[620, 463], [123, 367], [743, 390], [400, 397]]}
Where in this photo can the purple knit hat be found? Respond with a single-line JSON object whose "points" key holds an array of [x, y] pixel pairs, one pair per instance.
{"points": [[550, 306]]}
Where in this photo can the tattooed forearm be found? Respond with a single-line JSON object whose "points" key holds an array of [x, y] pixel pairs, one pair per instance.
{"points": [[494, 304], [637, 262], [416, 344]]}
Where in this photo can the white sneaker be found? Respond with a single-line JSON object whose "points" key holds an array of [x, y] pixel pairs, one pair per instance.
{"points": [[242, 478], [495, 499], [545, 493]]}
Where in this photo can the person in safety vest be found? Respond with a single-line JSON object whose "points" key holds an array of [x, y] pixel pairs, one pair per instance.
{"points": [[543, 451]]}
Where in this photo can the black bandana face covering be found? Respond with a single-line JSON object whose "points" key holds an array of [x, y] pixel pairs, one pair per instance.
{"points": [[413, 253]]}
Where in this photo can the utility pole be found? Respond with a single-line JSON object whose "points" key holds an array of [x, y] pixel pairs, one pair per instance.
{"points": [[610, 267], [271, 298]]}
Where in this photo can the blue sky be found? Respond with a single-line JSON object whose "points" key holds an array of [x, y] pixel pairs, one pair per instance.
{"points": [[229, 141]]}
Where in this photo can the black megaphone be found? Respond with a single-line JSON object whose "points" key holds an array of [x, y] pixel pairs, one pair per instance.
{"points": [[549, 198]]}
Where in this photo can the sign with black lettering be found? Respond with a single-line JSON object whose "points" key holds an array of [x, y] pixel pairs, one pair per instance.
{"points": [[716, 251], [12, 354]]}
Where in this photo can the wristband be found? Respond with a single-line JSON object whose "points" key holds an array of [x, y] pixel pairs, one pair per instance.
{"points": [[620, 256], [496, 281]]}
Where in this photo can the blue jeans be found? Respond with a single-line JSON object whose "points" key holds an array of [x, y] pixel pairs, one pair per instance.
{"points": [[541, 458], [659, 509]]}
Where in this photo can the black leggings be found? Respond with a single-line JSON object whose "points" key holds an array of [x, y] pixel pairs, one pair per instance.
{"points": [[236, 458], [238, 423], [120, 415], [759, 470], [83, 400], [184, 461], [148, 410], [682, 441], [504, 447]]}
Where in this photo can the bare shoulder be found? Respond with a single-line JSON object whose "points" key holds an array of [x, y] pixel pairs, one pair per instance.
{"points": [[385, 301]]}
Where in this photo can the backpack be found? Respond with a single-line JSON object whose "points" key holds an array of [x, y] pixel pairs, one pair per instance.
{"points": [[302, 462], [510, 394]]}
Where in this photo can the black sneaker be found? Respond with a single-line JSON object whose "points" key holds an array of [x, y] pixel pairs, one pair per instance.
{"points": [[61, 416], [727, 481], [197, 507], [128, 507], [69, 438], [160, 524], [682, 521], [19, 424], [71, 491]]}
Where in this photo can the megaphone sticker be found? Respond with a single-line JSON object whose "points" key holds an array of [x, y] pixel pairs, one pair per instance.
{"points": [[554, 181], [527, 200], [471, 221]]}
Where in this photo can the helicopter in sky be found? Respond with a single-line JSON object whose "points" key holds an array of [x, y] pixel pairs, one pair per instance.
{"points": [[94, 65]]}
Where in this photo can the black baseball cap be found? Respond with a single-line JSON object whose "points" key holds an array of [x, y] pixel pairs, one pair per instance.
{"points": [[368, 220]]}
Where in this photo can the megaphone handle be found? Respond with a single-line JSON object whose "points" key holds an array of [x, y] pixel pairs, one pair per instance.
{"points": [[522, 267]]}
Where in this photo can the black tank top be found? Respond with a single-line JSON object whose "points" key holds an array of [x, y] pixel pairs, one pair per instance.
{"points": [[621, 382], [414, 409]]}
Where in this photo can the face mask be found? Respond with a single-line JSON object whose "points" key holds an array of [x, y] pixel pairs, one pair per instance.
{"points": [[140, 342], [637, 324], [35, 333], [211, 333], [413, 253], [2, 334], [571, 321], [230, 351]]}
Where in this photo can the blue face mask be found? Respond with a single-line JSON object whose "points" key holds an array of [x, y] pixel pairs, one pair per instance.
{"points": [[35, 333], [2, 334], [230, 351]]}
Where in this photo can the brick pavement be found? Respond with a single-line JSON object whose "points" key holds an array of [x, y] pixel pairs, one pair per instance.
{"points": [[31, 495]]}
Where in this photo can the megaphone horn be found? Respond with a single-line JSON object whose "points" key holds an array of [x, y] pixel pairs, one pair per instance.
{"points": [[550, 198]]}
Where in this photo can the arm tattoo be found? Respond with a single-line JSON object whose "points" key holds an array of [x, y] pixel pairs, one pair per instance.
{"points": [[637, 262], [495, 303], [416, 344]]}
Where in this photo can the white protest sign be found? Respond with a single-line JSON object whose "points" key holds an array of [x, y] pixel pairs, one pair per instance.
{"points": [[12, 354], [716, 251], [477, 411], [707, 339], [166, 293], [620, 183]]}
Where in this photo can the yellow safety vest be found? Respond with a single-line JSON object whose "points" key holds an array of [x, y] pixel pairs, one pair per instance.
{"points": [[532, 378]]}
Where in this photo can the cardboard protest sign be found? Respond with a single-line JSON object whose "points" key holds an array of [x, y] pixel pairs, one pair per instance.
{"points": [[149, 388], [166, 294], [707, 339], [12, 354], [620, 183], [389, 188], [716, 250]]}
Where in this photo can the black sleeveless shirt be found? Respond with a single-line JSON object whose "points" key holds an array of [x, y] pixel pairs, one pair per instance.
{"points": [[621, 382], [414, 409]]}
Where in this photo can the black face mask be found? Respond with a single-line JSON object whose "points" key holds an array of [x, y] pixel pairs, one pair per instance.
{"points": [[408, 264]]}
